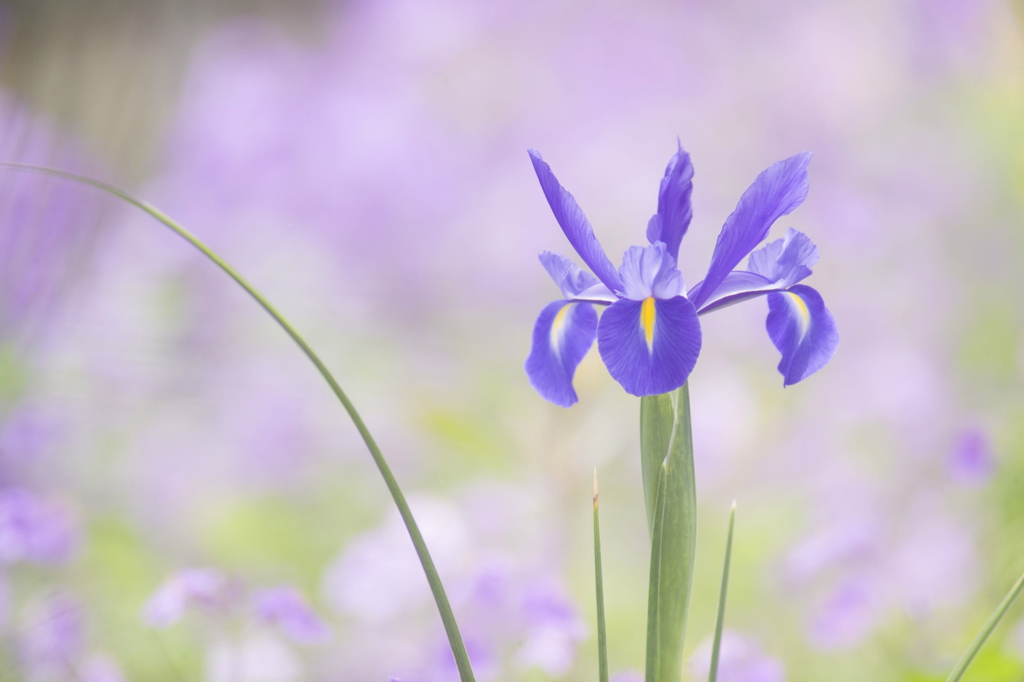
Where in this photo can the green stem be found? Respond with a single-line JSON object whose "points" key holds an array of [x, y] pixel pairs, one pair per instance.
{"points": [[602, 635], [436, 588], [666, 452], [720, 622], [993, 621]]}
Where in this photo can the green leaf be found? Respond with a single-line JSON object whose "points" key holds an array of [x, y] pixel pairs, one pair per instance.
{"points": [[993, 621], [720, 622], [666, 450], [602, 635]]}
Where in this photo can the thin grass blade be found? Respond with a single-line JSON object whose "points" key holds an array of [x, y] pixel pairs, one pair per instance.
{"points": [[720, 622], [602, 635], [993, 621]]}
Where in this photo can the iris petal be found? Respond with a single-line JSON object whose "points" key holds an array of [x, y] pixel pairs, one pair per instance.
{"points": [[776, 192], [671, 221], [785, 261], [803, 330], [574, 224], [739, 285], [649, 271], [567, 275], [562, 335], [664, 364]]}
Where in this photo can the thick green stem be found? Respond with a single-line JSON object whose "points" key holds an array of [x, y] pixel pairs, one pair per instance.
{"points": [[666, 451], [434, 580]]}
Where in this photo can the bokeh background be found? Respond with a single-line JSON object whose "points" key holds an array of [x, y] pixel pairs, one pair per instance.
{"points": [[181, 498]]}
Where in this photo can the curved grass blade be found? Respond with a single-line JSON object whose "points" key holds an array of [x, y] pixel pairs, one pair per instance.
{"points": [[433, 579], [993, 621], [602, 635], [672, 515], [719, 624]]}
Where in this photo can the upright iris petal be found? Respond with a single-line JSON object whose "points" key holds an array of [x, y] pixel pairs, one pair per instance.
{"points": [[775, 267], [567, 275], [671, 221], [776, 192], [649, 271], [785, 261], [574, 224]]}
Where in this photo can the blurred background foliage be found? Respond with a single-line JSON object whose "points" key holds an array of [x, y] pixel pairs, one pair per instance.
{"points": [[364, 164]]}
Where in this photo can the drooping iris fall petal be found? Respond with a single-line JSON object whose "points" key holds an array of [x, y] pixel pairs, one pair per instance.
{"points": [[563, 334], [649, 346], [803, 330]]}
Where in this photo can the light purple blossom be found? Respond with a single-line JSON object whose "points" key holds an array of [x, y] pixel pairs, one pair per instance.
{"points": [[741, 659], [100, 667], [285, 607], [971, 461], [34, 529], [51, 637], [514, 612], [47, 223], [205, 588], [650, 337], [257, 657]]}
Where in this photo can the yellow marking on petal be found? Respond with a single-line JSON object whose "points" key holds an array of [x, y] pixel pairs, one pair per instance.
{"points": [[802, 311], [558, 327], [647, 314]]}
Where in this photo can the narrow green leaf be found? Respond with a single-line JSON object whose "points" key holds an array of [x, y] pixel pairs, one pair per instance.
{"points": [[720, 622], [602, 635], [433, 579], [665, 439], [993, 621]]}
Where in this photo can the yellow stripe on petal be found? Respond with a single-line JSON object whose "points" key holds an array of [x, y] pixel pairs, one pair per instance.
{"points": [[647, 314], [558, 327], [803, 314]]}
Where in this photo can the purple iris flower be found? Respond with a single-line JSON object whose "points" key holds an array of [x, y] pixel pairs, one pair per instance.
{"points": [[649, 337]]}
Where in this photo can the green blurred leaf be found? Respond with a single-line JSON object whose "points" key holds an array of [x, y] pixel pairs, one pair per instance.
{"points": [[666, 450]]}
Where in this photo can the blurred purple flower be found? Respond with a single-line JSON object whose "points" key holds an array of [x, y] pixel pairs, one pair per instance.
{"points": [[35, 530], [740, 660], [100, 668], [52, 636], [258, 657], [553, 630], [203, 587], [47, 223], [971, 461], [650, 337], [627, 676], [285, 607], [513, 610], [27, 433], [848, 615]]}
